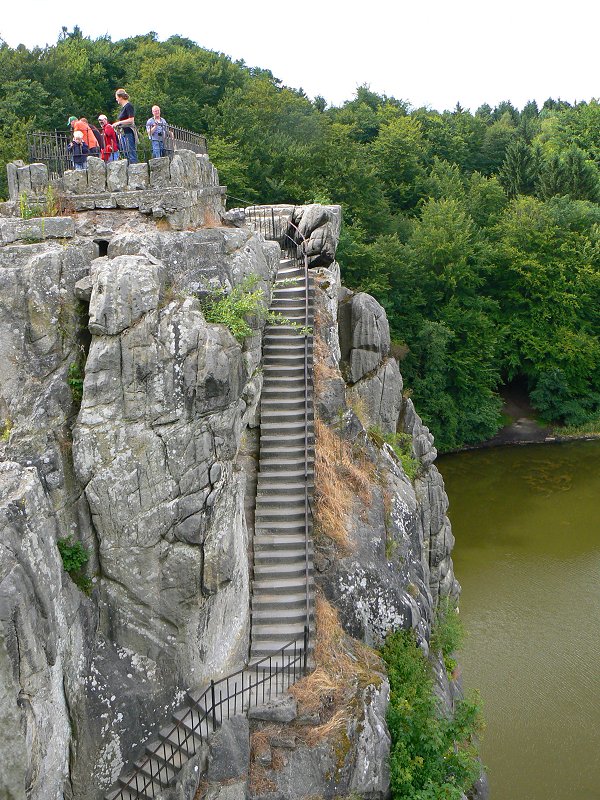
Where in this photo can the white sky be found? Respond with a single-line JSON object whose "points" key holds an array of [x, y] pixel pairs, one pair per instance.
{"points": [[427, 52]]}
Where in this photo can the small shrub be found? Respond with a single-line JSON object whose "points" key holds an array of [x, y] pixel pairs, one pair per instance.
{"points": [[74, 557], [448, 633], [401, 444], [243, 302], [5, 429], [431, 757], [75, 381]]}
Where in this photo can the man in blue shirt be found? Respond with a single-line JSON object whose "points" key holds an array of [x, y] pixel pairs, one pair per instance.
{"points": [[159, 134]]}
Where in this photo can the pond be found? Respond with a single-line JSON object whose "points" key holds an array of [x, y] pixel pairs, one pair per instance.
{"points": [[527, 554]]}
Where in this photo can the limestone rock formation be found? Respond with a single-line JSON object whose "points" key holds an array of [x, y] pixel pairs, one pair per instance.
{"points": [[122, 414], [126, 423]]}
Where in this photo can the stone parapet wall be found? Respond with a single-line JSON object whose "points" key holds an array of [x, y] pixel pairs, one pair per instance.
{"points": [[183, 208], [184, 189]]}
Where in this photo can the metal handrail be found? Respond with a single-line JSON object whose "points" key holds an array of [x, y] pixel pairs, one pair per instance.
{"points": [[51, 147], [299, 252], [186, 737]]}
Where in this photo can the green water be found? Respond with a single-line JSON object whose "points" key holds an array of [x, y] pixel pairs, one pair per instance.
{"points": [[527, 527]]}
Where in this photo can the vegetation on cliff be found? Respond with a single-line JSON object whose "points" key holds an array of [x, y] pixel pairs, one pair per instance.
{"points": [[478, 232], [432, 756]]}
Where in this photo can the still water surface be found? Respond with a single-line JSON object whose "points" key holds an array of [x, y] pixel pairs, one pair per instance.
{"points": [[527, 527]]}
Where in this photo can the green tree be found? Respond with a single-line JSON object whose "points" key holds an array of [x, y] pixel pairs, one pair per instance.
{"points": [[519, 171]]}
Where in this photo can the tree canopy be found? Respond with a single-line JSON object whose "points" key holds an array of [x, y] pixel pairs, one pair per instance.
{"points": [[479, 233]]}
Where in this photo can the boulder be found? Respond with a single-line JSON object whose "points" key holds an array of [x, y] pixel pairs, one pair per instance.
{"points": [[39, 178], [124, 289], [160, 173], [381, 394], [229, 751], [364, 335]]}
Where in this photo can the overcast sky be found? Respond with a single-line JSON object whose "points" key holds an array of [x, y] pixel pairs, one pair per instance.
{"points": [[428, 52]]}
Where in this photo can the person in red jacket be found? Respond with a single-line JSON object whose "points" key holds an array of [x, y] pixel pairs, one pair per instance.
{"points": [[110, 151]]}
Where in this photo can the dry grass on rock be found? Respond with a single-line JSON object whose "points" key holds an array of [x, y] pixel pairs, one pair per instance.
{"points": [[344, 666], [342, 474]]}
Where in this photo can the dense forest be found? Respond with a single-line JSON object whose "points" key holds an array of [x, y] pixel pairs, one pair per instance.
{"points": [[478, 232]]}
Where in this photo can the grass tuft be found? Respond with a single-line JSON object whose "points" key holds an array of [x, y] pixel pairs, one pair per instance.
{"points": [[341, 473]]}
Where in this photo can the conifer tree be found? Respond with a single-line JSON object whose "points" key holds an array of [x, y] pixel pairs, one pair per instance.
{"points": [[519, 170]]}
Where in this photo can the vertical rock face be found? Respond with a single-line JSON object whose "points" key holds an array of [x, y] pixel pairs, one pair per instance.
{"points": [[122, 417], [399, 559], [39, 641], [147, 479]]}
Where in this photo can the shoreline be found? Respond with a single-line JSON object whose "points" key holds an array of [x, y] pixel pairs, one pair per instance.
{"points": [[514, 436]]}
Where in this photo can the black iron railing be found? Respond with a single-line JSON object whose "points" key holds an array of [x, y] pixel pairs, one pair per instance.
{"points": [[220, 701], [51, 147]]}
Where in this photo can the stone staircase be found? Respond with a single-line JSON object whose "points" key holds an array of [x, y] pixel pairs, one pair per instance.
{"points": [[283, 582]]}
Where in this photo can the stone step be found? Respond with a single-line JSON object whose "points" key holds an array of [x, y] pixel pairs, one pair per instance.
{"points": [[288, 474], [139, 786], [292, 448], [288, 268], [287, 403], [294, 503], [296, 293], [292, 311], [122, 793], [279, 605], [156, 769], [274, 585], [290, 348], [290, 442], [272, 516], [283, 570], [167, 753], [265, 612], [282, 528], [283, 459], [270, 513], [279, 541], [282, 372], [288, 555], [288, 431], [286, 416], [266, 647], [281, 381], [272, 484], [180, 738], [279, 629], [282, 334]]}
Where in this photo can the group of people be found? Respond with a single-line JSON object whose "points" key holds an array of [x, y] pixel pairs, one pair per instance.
{"points": [[118, 138]]}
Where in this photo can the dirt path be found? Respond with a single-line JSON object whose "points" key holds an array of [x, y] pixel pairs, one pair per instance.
{"points": [[524, 429]]}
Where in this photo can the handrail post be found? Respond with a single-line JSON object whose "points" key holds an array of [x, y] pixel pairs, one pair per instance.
{"points": [[214, 706], [305, 653], [306, 438]]}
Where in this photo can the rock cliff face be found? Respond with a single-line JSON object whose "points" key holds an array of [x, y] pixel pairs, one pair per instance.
{"points": [[142, 469], [401, 540], [126, 423]]}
